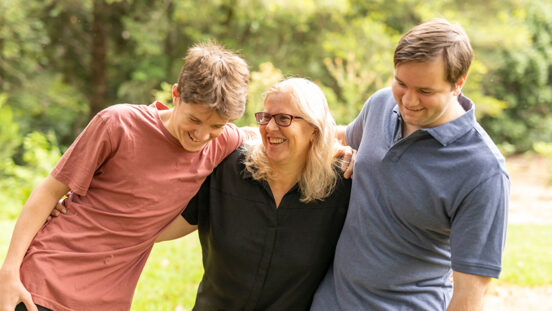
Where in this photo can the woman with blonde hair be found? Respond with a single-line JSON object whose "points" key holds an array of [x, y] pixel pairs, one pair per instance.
{"points": [[270, 214]]}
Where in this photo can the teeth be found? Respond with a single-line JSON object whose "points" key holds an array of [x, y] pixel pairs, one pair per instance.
{"points": [[192, 138], [276, 140]]}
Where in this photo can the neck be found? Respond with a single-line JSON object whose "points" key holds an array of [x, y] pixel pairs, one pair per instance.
{"points": [[407, 129], [166, 119], [283, 178], [285, 173]]}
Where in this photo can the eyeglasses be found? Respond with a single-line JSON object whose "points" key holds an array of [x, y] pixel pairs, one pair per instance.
{"points": [[281, 119]]}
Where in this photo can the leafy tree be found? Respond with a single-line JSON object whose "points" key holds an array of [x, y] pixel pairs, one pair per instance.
{"points": [[40, 153], [524, 81], [61, 61]]}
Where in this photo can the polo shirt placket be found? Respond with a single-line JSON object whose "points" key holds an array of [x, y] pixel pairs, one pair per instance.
{"points": [[420, 207]]}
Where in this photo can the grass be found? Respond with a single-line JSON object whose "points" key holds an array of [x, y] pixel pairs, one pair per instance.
{"points": [[169, 280], [528, 256], [171, 276]]}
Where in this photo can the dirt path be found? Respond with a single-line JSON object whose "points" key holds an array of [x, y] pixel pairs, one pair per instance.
{"points": [[530, 203], [531, 190], [510, 298]]}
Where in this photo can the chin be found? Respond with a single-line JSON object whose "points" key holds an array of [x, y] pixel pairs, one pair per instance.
{"points": [[276, 158], [189, 148]]}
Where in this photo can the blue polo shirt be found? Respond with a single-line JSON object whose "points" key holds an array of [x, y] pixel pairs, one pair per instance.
{"points": [[420, 206]]}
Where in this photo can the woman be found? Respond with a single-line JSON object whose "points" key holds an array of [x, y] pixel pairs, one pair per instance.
{"points": [[270, 214], [131, 172]]}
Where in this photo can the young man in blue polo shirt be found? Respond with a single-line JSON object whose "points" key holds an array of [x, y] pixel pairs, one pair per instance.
{"points": [[430, 189]]}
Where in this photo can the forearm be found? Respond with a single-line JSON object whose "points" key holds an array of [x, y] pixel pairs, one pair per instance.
{"points": [[32, 217], [469, 292], [250, 135], [340, 134], [178, 228]]}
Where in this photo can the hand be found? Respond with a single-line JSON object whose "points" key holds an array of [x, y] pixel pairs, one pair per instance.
{"points": [[347, 161], [12, 292], [251, 135], [59, 208]]}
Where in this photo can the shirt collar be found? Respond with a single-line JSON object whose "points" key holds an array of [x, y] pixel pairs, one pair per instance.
{"points": [[449, 132], [244, 173]]}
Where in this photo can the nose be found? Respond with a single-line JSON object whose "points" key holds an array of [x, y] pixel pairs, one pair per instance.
{"points": [[409, 98], [272, 125], [202, 134]]}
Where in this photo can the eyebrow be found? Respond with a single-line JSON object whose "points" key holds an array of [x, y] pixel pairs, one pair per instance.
{"points": [[425, 88], [192, 115]]}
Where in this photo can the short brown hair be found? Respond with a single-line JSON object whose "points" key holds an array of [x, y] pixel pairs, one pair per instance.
{"points": [[214, 76], [437, 38]]}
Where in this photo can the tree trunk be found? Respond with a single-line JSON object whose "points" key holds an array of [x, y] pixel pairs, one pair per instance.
{"points": [[97, 96]]}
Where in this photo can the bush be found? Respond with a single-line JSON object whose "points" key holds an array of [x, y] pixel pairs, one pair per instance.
{"points": [[39, 154]]}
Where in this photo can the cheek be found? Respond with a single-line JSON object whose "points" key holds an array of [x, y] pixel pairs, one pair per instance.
{"points": [[398, 91], [430, 101], [303, 138], [262, 131], [182, 125]]}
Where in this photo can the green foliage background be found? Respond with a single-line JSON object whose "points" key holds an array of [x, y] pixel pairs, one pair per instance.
{"points": [[47, 66], [50, 86], [48, 72]]}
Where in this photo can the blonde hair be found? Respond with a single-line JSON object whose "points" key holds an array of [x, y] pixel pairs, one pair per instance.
{"points": [[319, 176]]}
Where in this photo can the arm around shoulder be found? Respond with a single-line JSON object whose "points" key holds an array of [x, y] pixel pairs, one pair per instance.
{"points": [[178, 228], [250, 135], [340, 134]]}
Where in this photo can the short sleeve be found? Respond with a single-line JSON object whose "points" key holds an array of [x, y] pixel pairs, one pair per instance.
{"points": [[355, 129], [197, 203], [228, 141], [233, 138], [80, 162], [479, 228]]}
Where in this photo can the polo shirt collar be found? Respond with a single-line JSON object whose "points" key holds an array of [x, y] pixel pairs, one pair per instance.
{"points": [[449, 132]]}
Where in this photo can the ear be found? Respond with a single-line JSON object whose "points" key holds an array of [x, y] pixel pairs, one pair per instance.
{"points": [[458, 86], [174, 93], [314, 134]]}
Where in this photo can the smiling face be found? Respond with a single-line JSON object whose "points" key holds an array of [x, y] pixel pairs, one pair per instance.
{"points": [[286, 145], [194, 125], [424, 97]]}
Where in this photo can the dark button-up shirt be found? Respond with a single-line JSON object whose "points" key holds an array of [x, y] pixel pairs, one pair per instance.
{"points": [[257, 256]]}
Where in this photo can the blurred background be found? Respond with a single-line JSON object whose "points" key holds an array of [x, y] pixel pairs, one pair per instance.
{"points": [[61, 61]]}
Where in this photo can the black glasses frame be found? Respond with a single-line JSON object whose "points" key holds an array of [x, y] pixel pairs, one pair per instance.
{"points": [[263, 118]]}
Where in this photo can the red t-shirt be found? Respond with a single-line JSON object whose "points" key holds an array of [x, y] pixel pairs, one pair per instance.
{"points": [[130, 178]]}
